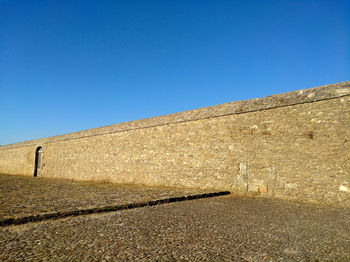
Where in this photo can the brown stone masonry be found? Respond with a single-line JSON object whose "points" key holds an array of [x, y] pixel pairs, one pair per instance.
{"points": [[293, 146]]}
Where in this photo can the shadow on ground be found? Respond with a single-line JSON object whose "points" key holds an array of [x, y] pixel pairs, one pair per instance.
{"points": [[225, 228]]}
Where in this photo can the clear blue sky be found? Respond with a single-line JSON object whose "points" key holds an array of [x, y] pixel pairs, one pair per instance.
{"points": [[70, 65]]}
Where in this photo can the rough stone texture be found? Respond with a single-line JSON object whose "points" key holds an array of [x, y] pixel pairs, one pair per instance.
{"points": [[292, 146], [213, 229]]}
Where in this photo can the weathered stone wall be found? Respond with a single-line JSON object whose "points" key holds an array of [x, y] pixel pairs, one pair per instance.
{"points": [[18, 160], [292, 146]]}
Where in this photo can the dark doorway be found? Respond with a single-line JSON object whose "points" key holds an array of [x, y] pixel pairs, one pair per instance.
{"points": [[38, 160]]}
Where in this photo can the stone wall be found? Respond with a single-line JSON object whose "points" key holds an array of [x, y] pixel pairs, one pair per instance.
{"points": [[291, 146]]}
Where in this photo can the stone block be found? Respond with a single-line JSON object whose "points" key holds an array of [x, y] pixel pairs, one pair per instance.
{"points": [[290, 185], [253, 188], [263, 189]]}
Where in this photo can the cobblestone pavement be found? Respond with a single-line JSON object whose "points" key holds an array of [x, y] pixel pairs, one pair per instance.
{"points": [[24, 196], [211, 229]]}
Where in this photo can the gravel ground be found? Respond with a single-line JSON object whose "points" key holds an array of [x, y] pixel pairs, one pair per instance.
{"points": [[211, 229], [25, 196]]}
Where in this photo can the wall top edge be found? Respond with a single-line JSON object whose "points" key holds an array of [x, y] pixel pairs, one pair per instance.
{"points": [[237, 107]]}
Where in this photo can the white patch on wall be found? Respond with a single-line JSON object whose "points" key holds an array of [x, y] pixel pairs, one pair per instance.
{"points": [[344, 189], [291, 185], [343, 91], [258, 182]]}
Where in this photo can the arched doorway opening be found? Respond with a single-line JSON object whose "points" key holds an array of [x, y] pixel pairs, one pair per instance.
{"points": [[38, 160]]}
